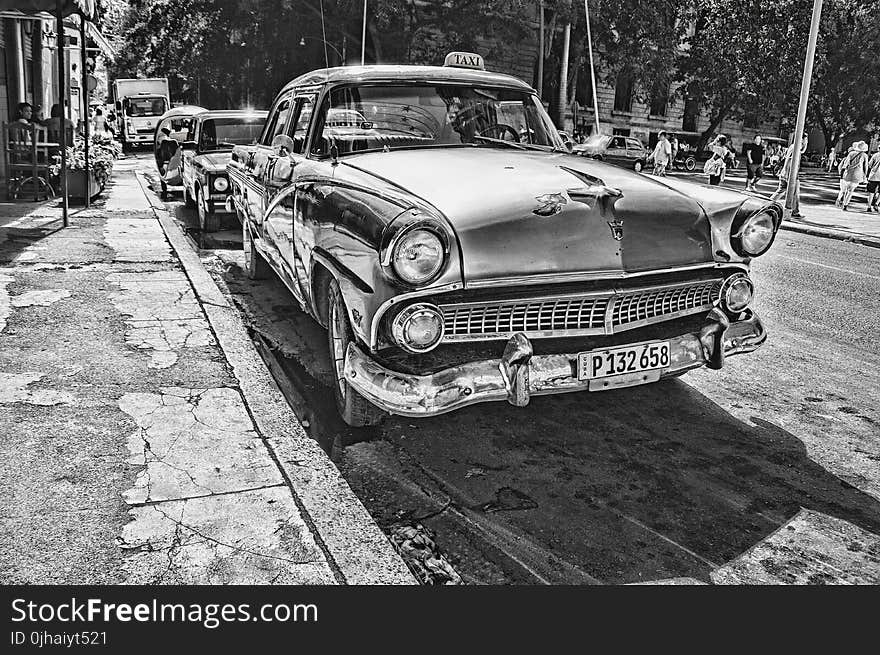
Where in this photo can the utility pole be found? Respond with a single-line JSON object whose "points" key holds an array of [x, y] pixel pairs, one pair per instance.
{"points": [[540, 48], [364, 35], [563, 76], [794, 169], [592, 69]]}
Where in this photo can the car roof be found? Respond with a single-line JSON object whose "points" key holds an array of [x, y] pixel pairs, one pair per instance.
{"points": [[389, 73], [183, 110], [232, 113]]}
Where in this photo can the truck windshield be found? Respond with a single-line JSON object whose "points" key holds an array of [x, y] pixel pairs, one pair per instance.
{"points": [[224, 133], [135, 107], [380, 117]]}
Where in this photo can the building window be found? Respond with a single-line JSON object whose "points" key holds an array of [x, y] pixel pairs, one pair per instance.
{"points": [[659, 100], [622, 131], [623, 91], [750, 121], [691, 111], [584, 89]]}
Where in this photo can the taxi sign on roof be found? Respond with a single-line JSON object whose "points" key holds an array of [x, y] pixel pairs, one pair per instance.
{"points": [[465, 60]]}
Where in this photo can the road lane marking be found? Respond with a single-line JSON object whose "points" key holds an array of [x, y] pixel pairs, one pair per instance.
{"points": [[833, 268]]}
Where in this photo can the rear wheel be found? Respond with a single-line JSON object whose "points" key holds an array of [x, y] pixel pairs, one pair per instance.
{"points": [[638, 166], [255, 266], [690, 163], [355, 410], [208, 220]]}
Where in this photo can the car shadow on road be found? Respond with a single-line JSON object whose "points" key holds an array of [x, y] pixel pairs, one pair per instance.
{"points": [[632, 484]]}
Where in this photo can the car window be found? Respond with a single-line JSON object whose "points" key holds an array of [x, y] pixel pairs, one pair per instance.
{"points": [[616, 142], [224, 133], [299, 126], [191, 130], [634, 144], [421, 115], [278, 120]]}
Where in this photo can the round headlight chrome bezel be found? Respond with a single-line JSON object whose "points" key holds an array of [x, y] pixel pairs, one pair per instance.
{"points": [[729, 285], [740, 226], [220, 184], [399, 239], [407, 315]]}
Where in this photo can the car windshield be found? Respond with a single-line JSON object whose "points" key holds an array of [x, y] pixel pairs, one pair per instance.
{"points": [[145, 107], [387, 117], [596, 140], [224, 133]]}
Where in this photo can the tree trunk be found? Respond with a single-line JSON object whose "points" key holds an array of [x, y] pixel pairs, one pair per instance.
{"points": [[714, 122], [563, 77]]}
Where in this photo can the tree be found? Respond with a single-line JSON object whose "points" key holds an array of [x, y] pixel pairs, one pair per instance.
{"points": [[846, 79]]}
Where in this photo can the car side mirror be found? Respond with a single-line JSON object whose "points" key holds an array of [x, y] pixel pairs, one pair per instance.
{"points": [[282, 145], [189, 145]]}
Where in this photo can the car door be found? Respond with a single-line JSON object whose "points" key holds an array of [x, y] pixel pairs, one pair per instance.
{"points": [[188, 152], [281, 180], [616, 151], [635, 151], [257, 196]]}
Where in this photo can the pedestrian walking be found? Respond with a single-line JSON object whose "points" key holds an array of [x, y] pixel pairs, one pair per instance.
{"points": [[715, 168], [754, 162], [874, 182], [783, 178], [662, 155], [832, 159], [853, 171]]}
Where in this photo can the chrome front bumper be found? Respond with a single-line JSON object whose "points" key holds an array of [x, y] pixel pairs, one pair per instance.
{"points": [[519, 374]]}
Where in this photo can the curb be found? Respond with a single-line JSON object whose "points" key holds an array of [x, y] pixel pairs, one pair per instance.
{"points": [[356, 549], [871, 242]]}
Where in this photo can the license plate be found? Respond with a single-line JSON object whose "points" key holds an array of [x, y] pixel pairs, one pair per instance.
{"points": [[597, 364]]}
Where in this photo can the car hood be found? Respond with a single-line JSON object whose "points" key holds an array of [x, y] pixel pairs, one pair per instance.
{"points": [[214, 161], [527, 213]]}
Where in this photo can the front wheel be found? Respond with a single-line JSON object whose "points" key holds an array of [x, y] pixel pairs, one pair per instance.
{"points": [[255, 266], [208, 220], [690, 163], [355, 410]]}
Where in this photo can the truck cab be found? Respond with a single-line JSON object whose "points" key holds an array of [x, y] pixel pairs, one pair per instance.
{"points": [[140, 103]]}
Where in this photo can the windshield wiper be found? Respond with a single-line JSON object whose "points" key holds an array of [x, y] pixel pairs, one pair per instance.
{"points": [[500, 142]]}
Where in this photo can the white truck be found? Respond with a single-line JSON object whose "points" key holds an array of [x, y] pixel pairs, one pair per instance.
{"points": [[139, 104]]}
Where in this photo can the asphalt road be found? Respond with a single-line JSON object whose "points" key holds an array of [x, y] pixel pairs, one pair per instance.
{"points": [[766, 471]]}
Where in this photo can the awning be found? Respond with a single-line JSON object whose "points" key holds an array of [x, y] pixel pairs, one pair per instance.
{"points": [[83, 7]]}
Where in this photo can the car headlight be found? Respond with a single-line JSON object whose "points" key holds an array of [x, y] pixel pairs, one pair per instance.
{"points": [[753, 235], [418, 256], [220, 184], [737, 293], [418, 328]]}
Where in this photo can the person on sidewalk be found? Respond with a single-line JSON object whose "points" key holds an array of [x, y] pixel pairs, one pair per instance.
{"points": [[662, 155], [874, 182], [20, 129], [832, 159], [715, 169], [783, 179], [754, 163], [853, 171]]}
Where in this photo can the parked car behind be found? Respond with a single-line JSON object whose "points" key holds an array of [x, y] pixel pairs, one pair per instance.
{"points": [[177, 120], [625, 151], [457, 254], [209, 142]]}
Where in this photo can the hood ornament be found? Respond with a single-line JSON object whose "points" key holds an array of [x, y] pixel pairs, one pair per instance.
{"points": [[551, 204]]}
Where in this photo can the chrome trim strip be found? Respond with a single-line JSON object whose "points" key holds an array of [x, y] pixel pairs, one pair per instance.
{"points": [[595, 275]]}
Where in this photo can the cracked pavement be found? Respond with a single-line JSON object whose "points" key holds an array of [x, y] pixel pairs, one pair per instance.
{"points": [[128, 453]]}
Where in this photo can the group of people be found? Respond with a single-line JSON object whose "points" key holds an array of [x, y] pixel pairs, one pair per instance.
{"points": [[28, 117], [664, 154], [857, 167]]}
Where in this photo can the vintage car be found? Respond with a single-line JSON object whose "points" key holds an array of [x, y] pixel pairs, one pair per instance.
{"points": [[177, 120], [209, 141], [457, 254], [625, 151]]}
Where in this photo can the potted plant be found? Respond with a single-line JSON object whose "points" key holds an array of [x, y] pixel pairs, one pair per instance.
{"points": [[103, 151]]}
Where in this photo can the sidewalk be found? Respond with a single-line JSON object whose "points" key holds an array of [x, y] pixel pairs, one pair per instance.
{"points": [[142, 439], [825, 220]]}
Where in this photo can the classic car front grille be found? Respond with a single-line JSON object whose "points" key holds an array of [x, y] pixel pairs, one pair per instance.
{"points": [[571, 315]]}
